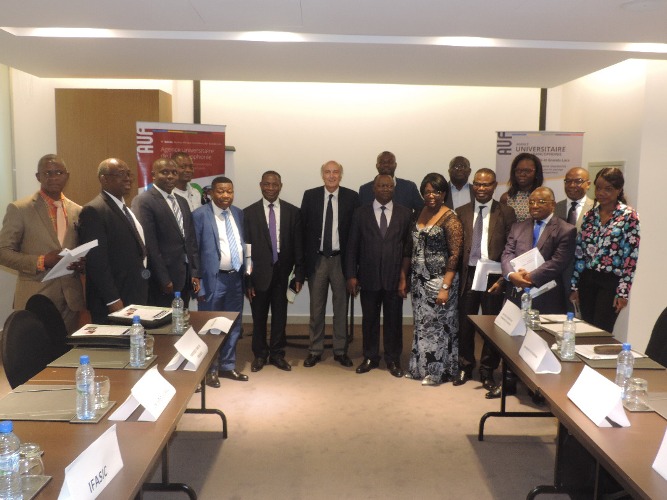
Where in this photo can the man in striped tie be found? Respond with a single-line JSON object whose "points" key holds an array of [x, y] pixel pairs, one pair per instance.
{"points": [[219, 230], [173, 257]]}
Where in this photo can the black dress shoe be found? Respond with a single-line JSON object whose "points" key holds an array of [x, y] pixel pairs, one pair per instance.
{"points": [[257, 364], [281, 364], [488, 383], [463, 376], [232, 375], [510, 384], [395, 369], [494, 393], [343, 359], [366, 366], [312, 360], [212, 380]]}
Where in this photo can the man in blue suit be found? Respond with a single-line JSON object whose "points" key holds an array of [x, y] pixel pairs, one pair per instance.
{"points": [[219, 231], [405, 192]]}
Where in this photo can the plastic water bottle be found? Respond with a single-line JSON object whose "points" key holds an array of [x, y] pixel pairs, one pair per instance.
{"points": [[137, 343], [526, 304], [624, 366], [85, 389], [10, 478], [177, 323], [568, 341]]}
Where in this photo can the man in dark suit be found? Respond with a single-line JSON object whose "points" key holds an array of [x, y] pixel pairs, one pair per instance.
{"points": [[460, 190], [173, 257], [327, 212], [405, 192], [220, 237], [554, 239], [116, 274], [486, 224], [572, 209], [375, 255], [273, 228]]}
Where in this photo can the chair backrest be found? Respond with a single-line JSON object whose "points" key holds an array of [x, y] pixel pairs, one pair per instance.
{"points": [[42, 307], [657, 344], [26, 347]]}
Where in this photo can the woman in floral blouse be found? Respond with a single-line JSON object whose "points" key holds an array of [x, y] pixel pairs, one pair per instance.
{"points": [[606, 253]]}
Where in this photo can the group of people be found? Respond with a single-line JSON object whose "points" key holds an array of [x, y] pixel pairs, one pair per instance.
{"points": [[388, 240]]}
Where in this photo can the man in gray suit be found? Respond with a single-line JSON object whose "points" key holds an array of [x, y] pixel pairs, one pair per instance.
{"points": [[35, 230], [572, 209]]}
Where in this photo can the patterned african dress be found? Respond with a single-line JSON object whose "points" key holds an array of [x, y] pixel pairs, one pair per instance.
{"points": [[519, 202], [435, 250]]}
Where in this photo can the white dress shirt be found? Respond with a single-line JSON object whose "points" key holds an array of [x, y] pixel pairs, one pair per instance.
{"points": [[335, 240], [225, 253]]}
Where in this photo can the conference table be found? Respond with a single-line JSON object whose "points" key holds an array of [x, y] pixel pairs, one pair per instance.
{"points": [[627, 454], [141, 443]]}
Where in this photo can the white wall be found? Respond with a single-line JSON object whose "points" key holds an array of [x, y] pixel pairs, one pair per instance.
{"points": [[622, 109]]}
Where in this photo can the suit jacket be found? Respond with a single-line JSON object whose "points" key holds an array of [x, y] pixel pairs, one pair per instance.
{"points": [[115, 268], [501, 218], [405, 194], [312, 216], [449, 202], [291, 244], [165, 244], [556, 244], [563, 207], [373, 260], [27, 232], [208, 240]]}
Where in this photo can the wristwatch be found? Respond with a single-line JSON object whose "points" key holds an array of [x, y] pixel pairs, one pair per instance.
{"points": [[445, 286]]}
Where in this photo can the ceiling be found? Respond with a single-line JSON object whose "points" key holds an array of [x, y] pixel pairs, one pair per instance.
{"points": [[535, 43]]}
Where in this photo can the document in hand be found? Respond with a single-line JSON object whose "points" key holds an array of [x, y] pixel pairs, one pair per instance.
{"points": [[484, 267], [599, 398], [68, 257], [529, 261]]}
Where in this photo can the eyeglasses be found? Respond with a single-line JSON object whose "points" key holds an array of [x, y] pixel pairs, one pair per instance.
{"points": [[123, 174], [432, 193], [483, 184], [54, 173], [577, 182], [534, 203]]}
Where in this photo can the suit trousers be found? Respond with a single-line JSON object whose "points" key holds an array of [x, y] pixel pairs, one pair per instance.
{"points": [[596, 298], [275, 298], [469, 304], [227, 296], [372, 301], [328, 271], [156, 297]]}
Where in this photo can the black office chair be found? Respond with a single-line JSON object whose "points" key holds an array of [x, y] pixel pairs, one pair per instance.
{"points": [[42, 307], [26, 347], [657, 344]]}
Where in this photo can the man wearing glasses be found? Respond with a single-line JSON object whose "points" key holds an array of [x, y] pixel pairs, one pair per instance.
{"points": [[116, 274], [554, 239], [460, 190], [35, 230]]}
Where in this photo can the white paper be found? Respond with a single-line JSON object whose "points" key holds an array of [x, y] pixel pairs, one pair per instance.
{"points": [[530, 260], [191, 348], [581, 328], [482, 270], [536, 292], [599, 399], [152, 391], [536, 353], [90, 472], [510, 320], [217, 325], [588, 351], [555, 318], [660, 462], [68, 257], [102, 330]]}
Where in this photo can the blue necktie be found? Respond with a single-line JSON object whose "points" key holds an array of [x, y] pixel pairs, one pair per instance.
{"points": [[231, 241], [536, 232]]}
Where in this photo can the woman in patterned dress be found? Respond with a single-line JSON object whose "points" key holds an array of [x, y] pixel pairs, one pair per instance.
{"points": [[606, 253], [436, 244], [525, 177]]}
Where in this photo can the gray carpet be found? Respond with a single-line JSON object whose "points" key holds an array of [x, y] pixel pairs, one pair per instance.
{"points": [[326, 432]]}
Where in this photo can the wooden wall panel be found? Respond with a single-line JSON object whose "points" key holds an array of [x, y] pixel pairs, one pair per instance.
{"points": [[95, 124]]}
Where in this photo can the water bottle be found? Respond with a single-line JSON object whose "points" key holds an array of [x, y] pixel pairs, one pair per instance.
{"points": [[568, 341], [177, 324], [526, 305], [10, 478], [624, 366], [137, 344], [85, 389]]}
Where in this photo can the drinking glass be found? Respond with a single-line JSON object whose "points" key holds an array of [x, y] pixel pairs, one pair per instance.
{"points": [[102, 387]]}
